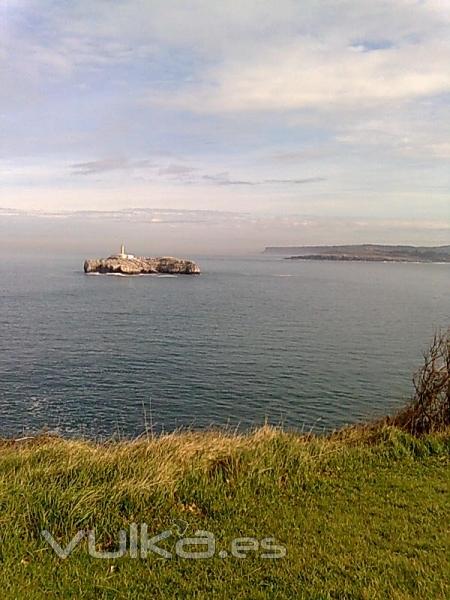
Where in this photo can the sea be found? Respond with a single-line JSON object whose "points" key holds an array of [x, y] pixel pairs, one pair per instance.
{"points": [[309, 346]]}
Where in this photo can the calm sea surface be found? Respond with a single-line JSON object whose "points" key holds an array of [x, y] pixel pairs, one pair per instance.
{"points": [[306, 344]]}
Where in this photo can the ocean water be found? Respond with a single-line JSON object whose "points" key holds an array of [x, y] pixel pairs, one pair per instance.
{"points": [[309, 345]]}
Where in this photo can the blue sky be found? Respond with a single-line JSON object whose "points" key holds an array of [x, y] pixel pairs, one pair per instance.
{"points": [[265, 122]]}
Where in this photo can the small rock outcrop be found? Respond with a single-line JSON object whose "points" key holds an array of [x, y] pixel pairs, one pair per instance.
{"points": [[141, 266]]}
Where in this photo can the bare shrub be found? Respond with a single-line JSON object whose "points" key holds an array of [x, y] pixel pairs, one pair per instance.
{"points": [[429, 409]]}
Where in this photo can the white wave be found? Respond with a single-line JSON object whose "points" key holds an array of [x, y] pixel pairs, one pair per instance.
{"points": [[123, 274]]}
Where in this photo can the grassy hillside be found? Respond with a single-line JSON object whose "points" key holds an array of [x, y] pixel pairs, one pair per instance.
{"points": [[363, 514]]}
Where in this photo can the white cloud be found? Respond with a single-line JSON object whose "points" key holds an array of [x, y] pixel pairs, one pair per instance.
{"points": [[308, 74], [420, 132], [220, 217]]}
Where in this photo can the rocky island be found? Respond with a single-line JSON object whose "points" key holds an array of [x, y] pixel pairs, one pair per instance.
{"points": [[128, 264], [365, 252]]}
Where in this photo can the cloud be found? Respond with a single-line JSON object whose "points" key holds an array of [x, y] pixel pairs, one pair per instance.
{"points": [[296, 181], [371, 45], [177, 171], [134, 215], [162, 216], [421, 132], [225, 179], [340, 107], [108, 164], [252, 56], [308, 74], [10, 212], [100, 166]]}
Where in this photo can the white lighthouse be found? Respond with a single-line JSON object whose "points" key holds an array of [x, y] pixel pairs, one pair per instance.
{"points": [[123, 253]]}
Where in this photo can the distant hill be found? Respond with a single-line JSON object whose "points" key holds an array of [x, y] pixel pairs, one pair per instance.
{"points": [[364, 252]]}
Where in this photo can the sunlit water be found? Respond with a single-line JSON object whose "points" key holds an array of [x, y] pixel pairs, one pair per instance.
{"points": [[304, 344]]}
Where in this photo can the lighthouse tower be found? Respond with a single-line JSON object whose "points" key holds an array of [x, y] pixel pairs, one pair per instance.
{"points": [[123, 254]]}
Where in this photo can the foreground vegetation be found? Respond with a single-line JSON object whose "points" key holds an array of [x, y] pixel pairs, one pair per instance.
{"points": [[362, 514]]}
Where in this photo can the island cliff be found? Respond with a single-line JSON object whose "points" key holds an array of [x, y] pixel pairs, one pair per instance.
{"points": [[130, 265]]}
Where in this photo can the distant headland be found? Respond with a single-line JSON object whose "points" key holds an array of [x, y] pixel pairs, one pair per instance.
{"points": [[128, 264], [365, 252]]}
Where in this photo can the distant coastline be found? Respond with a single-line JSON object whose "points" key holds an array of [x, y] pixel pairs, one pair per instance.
{"points": [[364, 253]]}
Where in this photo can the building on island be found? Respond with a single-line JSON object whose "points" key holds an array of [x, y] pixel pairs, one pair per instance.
{"points": [[122, 253]]}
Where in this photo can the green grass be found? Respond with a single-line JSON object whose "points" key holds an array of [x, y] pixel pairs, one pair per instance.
{"points": [[362, 515]]}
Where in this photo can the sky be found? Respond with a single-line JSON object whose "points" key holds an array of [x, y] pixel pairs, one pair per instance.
{"points": [[216, 127]]}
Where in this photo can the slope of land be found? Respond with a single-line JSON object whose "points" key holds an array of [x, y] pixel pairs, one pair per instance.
{"points": [[364, 252], [362, 514]]}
